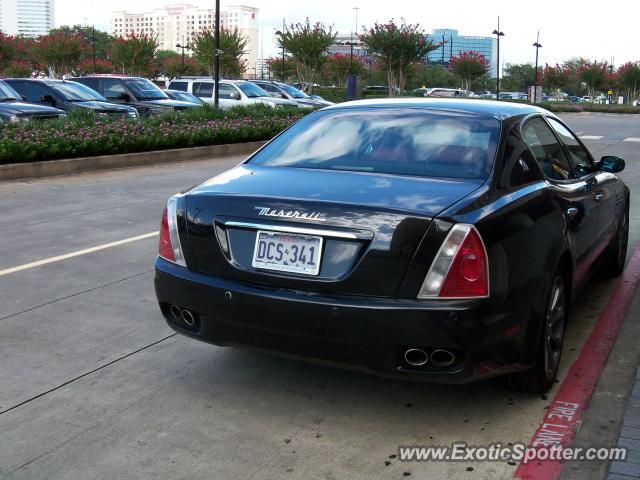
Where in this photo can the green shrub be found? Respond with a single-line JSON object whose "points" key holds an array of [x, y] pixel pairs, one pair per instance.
{"points": [[88, 135]]}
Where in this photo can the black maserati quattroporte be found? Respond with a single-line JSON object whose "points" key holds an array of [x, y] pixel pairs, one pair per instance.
{"points": [[432, 240]]}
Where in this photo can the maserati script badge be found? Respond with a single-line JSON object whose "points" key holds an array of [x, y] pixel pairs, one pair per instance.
{"points": [[274, 212]]}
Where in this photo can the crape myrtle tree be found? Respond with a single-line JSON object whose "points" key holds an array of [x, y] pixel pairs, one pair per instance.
{"points": [[555, 78], [469, 66], [134, 54], [91, 37], [59, 52], [172, 66], [338, 67], [574, 81], [396, 47], [629, 79], [274, 65], [102, 66], [233, 46], [595, 75], [7, 51], [307, 45]]}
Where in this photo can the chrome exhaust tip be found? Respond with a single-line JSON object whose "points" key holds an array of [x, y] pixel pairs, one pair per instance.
{"points": [[188, 318], [176, 312], [416, 357], [442, 358]]}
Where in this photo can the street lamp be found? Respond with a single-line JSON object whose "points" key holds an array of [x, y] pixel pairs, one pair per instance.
{"points": [[281, 34], [183, 47], [498, 34], [216, 62], [351, 42], [535, 81]]}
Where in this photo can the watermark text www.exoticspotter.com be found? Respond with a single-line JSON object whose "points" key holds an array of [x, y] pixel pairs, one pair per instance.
{"points": [[499, 452]]}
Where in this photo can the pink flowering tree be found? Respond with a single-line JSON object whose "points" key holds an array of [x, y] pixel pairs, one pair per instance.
{"points": [[469, 66], [396, 47], [554, 78], [59, 52], [307, 45], [595, 75], [629, 79], [338, 67]]}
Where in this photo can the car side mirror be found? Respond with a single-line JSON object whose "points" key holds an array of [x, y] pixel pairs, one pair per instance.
{"points": [[611, 163], [125, 97], [48, 99]]}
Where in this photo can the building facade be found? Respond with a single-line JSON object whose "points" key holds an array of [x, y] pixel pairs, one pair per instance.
{"points": [[26, 17], [178, 23], [454, 44]]}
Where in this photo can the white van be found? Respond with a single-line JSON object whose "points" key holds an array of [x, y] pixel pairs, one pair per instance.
{"points": [[231, 92]]}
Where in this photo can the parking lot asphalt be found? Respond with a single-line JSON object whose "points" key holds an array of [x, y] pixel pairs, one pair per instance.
{"points": [[93, 384]]}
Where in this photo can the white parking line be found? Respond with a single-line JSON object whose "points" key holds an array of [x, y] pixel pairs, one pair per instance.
{"points": [[632, 139], [591, 137], [46, 261]]}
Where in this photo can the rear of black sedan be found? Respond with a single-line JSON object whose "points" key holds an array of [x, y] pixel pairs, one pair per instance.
{"points": [[409, 239]]}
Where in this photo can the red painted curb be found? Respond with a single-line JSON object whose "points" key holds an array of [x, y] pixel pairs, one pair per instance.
{"points": [[560, 423]]}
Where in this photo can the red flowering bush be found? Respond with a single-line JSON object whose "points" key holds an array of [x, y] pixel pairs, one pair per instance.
{"points": [[397, 47], [469, 66]]}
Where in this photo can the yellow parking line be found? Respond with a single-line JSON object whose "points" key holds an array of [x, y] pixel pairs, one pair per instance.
{"points": [[97, 248]]}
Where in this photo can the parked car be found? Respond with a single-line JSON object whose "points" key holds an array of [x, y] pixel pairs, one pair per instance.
{"points": [[184, 97], [68, 96], [139, 93], [445, 92], [231, 92], [381, 89], [287, 92], [13, 110], [431, 240], [305, 86]]}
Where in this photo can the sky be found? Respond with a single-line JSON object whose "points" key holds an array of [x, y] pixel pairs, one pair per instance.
{"points": [[567, 28]]}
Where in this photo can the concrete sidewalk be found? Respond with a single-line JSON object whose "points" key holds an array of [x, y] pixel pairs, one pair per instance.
{"points": [[613, 415]]}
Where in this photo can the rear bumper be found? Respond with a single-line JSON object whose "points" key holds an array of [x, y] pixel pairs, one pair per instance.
{"points": [[360, 333]]}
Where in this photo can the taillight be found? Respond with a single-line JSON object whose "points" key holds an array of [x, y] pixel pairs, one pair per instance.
{"points": [[461, 267], [170, 248]]}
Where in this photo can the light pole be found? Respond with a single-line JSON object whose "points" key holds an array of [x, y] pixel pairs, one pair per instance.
{"points": [[281, 34], [351, 42], [535, 81], [498, 34], [216, 61], [183, 48]]}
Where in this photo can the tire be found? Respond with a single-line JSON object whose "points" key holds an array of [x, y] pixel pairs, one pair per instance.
{"points": [[543, 373], [614, 260]]}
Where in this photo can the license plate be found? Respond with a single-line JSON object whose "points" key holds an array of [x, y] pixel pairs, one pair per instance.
{"points": [[287, 252]]}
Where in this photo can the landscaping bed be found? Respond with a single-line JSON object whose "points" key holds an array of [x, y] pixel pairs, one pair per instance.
{"points": [[89, 135]]}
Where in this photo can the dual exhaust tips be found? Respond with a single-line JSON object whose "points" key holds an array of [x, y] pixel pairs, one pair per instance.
{"points": [[417, 357], [182, 314]]}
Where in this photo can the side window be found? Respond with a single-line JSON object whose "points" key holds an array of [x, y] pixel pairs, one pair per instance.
{"points": [[182, 86], [203, 89], [520, 164], [228, 91], [113, 88], [93, 83], [545, 147], [579, 157], [272, 89], [33, 91]]}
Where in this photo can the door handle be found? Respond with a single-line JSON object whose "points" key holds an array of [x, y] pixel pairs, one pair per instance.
{"points": [[599, 197], [572, 213]]}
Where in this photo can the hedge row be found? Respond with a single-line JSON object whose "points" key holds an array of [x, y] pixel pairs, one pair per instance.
{"points": [[84, 135]]}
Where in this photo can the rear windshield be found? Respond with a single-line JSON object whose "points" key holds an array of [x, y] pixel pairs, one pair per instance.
{"points": [[398, 141]]}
